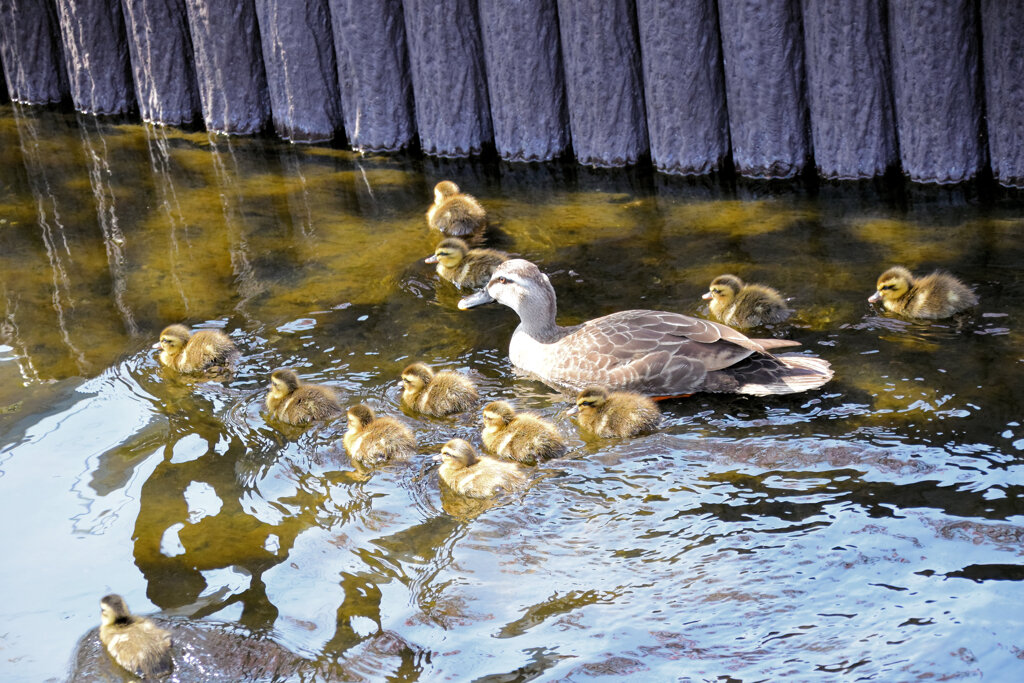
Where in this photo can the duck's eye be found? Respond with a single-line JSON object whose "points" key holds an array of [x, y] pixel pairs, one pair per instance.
{"points": [[888, 286], [502, 280]]}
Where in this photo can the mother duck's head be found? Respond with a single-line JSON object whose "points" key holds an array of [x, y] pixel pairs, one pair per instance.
{"points": [[518, 284]]}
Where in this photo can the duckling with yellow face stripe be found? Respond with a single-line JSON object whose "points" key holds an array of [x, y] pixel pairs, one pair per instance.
{"points": [[744, 305], [437, 394], [522, 437], [616, 414], [935, 296], [373, 440], [454, 213], [136, 643], [297, 403], [477, 476], [191, 352], [465, 267]]}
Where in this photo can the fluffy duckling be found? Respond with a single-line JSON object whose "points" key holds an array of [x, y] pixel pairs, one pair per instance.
{"points": [[191, 352], [477, 476], [465, 267], [371, 440], [437, 394], [743, 305], [939, 295], [136, 643], [453, 213], [522, 437], [297, 403], [616, 414]]}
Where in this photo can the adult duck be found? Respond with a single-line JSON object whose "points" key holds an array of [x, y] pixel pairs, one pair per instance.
{"points": [[932, 297], [735, 302], [656, 353]]}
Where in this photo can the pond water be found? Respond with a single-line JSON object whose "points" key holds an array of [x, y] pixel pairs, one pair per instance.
{"points": [[871, 529]]}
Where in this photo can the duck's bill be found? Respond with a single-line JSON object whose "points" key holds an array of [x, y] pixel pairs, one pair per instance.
{"points": [[573, 410], [706, 296], [437, 457], [431, 259], [475, 299], [156, 346], [875, 297]]}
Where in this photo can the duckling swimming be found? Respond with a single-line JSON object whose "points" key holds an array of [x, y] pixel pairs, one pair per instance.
{"points": [[743, 305], [453, 213], [195, 352], [297, 403], [465, 267], [136, 643], [371, 440], [437, 394], [477, 476], [522, 437], [935, 296], [616, 414]]}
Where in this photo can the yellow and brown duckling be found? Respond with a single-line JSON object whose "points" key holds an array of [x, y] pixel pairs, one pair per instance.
{"points": [[297, 403], [935, 296], [465, 267], [373, 440], [616, 414], [191, 352], [745, 305], [477, 476], [522, 437], [455, 214], [136, 643], [438, 394]]}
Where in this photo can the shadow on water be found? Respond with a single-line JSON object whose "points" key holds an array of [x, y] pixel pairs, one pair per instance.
{"points": [[871, 527]]}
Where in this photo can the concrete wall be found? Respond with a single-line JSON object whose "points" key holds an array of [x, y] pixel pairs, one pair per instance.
{"points": [[773, 88]]}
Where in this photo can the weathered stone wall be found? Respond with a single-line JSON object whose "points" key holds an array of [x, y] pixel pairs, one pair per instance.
{"points": [[770, 87]]}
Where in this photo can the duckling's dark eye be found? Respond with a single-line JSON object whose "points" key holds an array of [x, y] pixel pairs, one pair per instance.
{"points": [[888, 286]]}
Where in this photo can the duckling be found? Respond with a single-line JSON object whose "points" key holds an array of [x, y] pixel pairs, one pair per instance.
{"points": [[743, 305], [939, 295], [616, 414], [477, 476], [136, 643], [440, 394], [195, 352], [453, 213], [371, 440], [465, 267], [522, 437], [297, 403]]}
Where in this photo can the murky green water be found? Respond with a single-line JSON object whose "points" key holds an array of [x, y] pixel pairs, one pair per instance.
{"points": [[869, 530]]}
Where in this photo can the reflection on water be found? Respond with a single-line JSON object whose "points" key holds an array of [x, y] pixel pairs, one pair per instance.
{"points": [[870, 528]]}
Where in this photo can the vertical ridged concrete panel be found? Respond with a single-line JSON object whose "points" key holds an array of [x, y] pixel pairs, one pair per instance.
{"points": [[849, 88], [373, 74], [161, 56], [30, 51], [1002, 31], [229, 65], [302, 75], [96, 55], [448, 80], [603, 81], [683, 85], [524, 79], [936, 84], [763, 50]]}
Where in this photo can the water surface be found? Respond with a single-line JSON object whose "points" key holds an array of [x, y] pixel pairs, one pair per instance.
{"points": [[868, 530]]}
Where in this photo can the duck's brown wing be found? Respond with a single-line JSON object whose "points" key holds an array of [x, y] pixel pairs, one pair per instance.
{"points": [[654, 352]]}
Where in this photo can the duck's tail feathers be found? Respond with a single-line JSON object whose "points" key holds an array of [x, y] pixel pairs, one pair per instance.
{"points": [[766, 375]]}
